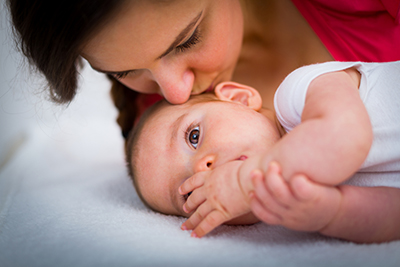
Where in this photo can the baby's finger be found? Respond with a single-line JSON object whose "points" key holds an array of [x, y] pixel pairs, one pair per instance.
{"points": [[262, 212], [263, 194], [192, 183], [197, 216], [277, 186], [214, 219], [303, 188], [194, 200]]}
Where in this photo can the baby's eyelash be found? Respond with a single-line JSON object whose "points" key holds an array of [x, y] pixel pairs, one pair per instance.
{"points": [[187, 130], [193, 40]]}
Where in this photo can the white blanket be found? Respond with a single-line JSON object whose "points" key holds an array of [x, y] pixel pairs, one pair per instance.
{"points": [[66, 200]]}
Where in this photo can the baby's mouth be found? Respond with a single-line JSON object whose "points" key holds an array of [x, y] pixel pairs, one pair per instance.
{"points": [[242, 157]]}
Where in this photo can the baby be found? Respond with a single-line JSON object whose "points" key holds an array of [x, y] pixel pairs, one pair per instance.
{"points": [[223, 158]]}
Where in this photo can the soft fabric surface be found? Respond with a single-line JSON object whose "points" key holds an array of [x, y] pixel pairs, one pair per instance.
{"points": [[66, 200]]}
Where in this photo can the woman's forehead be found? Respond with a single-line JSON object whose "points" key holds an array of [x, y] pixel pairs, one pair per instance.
{"points": [[140, 32]]}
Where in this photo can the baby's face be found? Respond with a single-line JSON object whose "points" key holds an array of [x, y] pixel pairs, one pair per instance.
{"points": [[179, 141]]}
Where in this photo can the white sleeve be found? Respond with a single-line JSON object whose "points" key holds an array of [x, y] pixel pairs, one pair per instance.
{"points": [[290, 96]]}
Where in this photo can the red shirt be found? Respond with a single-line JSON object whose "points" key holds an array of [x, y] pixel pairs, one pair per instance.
{"points": [[355, 30]]}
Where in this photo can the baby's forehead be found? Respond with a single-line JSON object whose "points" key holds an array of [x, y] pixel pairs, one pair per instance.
{"points": [[168, 109]]}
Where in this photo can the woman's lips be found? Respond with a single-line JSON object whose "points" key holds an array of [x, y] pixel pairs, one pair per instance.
{"points": [[209, 89]]}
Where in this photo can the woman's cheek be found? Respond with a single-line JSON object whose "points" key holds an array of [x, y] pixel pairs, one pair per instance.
{"points": [[215, 58]]}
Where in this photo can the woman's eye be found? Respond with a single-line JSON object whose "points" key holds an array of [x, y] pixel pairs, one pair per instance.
{"points": [[122, 75], [193, 136], [193, 40]]}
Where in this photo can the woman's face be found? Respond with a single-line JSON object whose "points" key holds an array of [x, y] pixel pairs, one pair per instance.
{"points": [[174, 48]]}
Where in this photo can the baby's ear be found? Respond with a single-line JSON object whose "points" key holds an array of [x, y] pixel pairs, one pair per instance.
{"points": [[235, 92]]}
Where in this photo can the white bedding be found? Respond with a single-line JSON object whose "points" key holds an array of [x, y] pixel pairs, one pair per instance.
{"points": [[66, 200]]}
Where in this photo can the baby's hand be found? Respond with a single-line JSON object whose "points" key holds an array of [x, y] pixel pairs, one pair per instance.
{"points": [[216, 198], [299, 204]]}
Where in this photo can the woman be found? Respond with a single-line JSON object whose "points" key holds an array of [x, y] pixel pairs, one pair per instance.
{"points": [[179, 48]]}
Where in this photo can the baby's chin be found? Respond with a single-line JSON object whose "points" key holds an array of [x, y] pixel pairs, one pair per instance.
{"points": [[248, 218]]}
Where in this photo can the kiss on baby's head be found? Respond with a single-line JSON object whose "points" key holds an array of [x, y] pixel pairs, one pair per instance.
{"points": [[173, 142]]}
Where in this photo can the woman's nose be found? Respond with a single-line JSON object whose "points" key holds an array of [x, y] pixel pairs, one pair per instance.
{"points": [[204, 163], [175, 84]]}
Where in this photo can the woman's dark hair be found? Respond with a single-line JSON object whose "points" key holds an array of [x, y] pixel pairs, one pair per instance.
{"points": [[125, 100], [51, 33]]}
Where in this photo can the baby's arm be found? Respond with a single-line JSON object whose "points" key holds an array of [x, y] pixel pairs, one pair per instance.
{"points": [[299, 204], [367, 214], [348, 212], [329, 145], [334, 137]]}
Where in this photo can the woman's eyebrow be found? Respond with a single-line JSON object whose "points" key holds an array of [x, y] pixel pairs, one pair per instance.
{"points": [[181, 35]]}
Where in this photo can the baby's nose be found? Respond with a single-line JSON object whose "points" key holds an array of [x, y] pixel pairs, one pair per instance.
{"points": [[204, 164]]}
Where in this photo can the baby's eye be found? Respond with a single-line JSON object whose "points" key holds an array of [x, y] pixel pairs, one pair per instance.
{"points": [[193, 136]]}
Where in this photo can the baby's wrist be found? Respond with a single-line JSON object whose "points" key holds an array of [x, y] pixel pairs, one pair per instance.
{"points": [[336, 214], [246, 174]]}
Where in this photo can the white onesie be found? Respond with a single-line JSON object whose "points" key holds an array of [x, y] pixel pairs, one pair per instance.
{"points": [[380, 93]]}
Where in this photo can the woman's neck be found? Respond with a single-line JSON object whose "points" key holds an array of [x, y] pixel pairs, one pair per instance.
{"points": [[276, 41]]}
